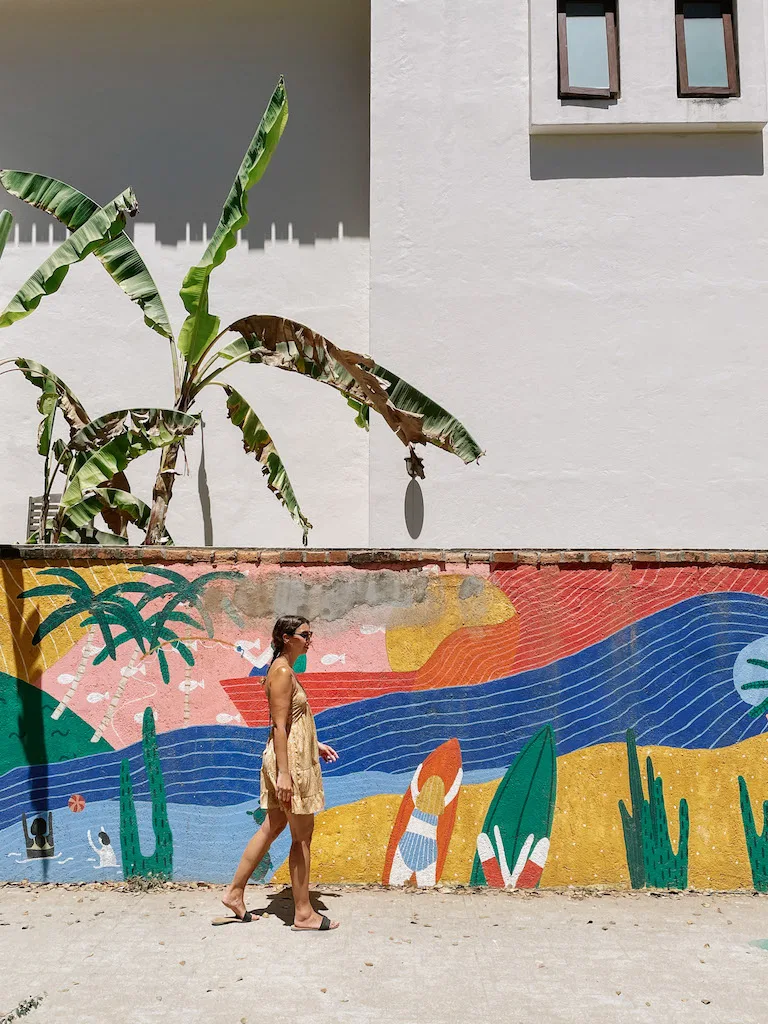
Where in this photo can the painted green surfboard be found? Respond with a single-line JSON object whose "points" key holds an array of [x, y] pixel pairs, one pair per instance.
{"points": [[524, 803]]}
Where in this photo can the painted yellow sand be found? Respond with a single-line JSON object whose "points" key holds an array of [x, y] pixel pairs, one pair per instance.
{"points": [[20, 619], [587, 839], [415, 633]]}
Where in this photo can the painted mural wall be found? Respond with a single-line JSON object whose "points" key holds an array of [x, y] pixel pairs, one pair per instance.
{"points": [[505, 727]]}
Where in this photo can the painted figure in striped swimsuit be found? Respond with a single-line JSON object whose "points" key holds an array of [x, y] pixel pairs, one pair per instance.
{"points": [[416, 854]]}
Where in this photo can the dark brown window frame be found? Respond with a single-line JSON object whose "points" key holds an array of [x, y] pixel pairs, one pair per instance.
{"points": [[565, 90], [731, 55]]}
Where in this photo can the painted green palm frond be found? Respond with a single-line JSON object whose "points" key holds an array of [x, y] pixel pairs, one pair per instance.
{"points": [[158, 570], [187, 620], [48, 590], [257, 442], [163, 663], [54, 620], [200, 328], [178, 645], [757, 661], [103, 225], [79, 517], [74, 578], [412, 416], [147, 433], [119, 256], [757, 684], [6, 226], [759, 709]]}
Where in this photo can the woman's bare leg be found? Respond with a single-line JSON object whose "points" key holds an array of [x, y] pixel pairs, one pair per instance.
{"points": [[299, 862], [272, 826]]}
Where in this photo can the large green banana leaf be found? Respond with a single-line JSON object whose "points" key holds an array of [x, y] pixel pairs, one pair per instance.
{"points": [[256, 441], [200, 328], [117, 454], [82, 514], [103, 225], [6, 224], [413, 417], [119, 257], [41, 377], [164, 425]]}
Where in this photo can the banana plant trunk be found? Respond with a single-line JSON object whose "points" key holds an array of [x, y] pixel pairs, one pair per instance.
{"points": [[162, 493]]}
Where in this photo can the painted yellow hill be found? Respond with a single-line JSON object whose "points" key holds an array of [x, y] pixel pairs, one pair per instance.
{"points": [[20, 619], [452, 603], [587, 839]]}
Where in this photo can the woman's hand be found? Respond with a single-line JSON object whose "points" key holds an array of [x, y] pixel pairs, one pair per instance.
{"points": [[327, 753], [284, 788]]}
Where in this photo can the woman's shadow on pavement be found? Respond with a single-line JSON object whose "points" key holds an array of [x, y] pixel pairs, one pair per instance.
{"points": [[280, 904]]}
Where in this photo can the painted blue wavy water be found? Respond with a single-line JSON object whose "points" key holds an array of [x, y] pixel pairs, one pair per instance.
{"points": [[670, 676]]}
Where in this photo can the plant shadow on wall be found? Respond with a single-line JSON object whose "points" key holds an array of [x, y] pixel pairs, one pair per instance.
{"points": [[643, 155], [89, 464]]}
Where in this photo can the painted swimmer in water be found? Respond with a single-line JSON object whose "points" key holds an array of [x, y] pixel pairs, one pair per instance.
{"points": [[39, 837], [105, 851], [417, 851]]}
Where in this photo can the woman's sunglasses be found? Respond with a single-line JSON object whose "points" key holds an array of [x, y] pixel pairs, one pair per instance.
{"points": [[304, 636]]}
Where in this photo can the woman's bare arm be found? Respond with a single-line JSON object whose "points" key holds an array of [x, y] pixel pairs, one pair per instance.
{"points": [[279, 684]]}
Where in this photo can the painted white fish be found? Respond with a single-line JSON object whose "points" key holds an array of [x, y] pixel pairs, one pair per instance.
{"points": [[333, 659], [96, 698], [188, 685], [66, 679], [139, 716], [129, 672], [224, 719], [370, 630], [247, 645]]}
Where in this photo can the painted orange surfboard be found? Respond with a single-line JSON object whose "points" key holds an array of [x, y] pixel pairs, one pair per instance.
{"points": [[445, 763]]}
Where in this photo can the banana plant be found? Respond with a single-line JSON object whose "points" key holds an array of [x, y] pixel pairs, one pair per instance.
{"points": [[94, 459]]}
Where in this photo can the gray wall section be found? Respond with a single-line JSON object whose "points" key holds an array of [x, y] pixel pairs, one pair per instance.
{"points": [[164, 96]]}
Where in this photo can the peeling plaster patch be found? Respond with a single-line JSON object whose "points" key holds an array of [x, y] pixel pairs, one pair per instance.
{"points": [[470, 587], [336, 596]]}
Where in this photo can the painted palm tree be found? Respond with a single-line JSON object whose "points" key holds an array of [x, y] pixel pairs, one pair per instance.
{"points": [[156, 631], [84, 604]]}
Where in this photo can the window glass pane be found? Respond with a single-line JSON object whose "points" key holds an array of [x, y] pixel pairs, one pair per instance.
{"points": [[587, 45], [705, 45]]}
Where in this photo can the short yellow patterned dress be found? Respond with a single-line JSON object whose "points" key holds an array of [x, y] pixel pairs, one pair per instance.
{"points": [[303, 761]]}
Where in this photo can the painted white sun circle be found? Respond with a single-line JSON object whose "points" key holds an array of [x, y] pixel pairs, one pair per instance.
{"points": [[752, 667]]}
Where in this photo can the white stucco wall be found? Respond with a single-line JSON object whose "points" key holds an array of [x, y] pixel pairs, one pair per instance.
{"points": [[594, 308], [94, 338], [165, 97]]}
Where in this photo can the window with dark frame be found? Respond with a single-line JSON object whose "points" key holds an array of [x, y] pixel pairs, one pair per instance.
{"points": [[588, 51], [707, 58]]}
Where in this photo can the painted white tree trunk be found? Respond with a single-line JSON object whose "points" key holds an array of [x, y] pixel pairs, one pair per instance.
{"points": [[125, 674], [86, 655], [187, 705]]}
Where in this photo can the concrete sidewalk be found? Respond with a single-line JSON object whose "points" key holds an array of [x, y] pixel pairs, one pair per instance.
{"points": [[108, 957]]}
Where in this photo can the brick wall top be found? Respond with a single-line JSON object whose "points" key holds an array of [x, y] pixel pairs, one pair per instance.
{"points": [[392, 558]]}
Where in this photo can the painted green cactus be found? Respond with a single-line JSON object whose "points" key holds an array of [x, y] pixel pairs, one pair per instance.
{"points": [[651, 860], [160, 863], [757, 842]]}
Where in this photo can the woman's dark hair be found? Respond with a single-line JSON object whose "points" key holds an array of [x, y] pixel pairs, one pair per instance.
{"points": [[285, 624]]}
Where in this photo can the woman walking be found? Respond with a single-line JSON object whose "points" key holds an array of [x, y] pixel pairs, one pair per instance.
{"points": [[291, 780]]}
